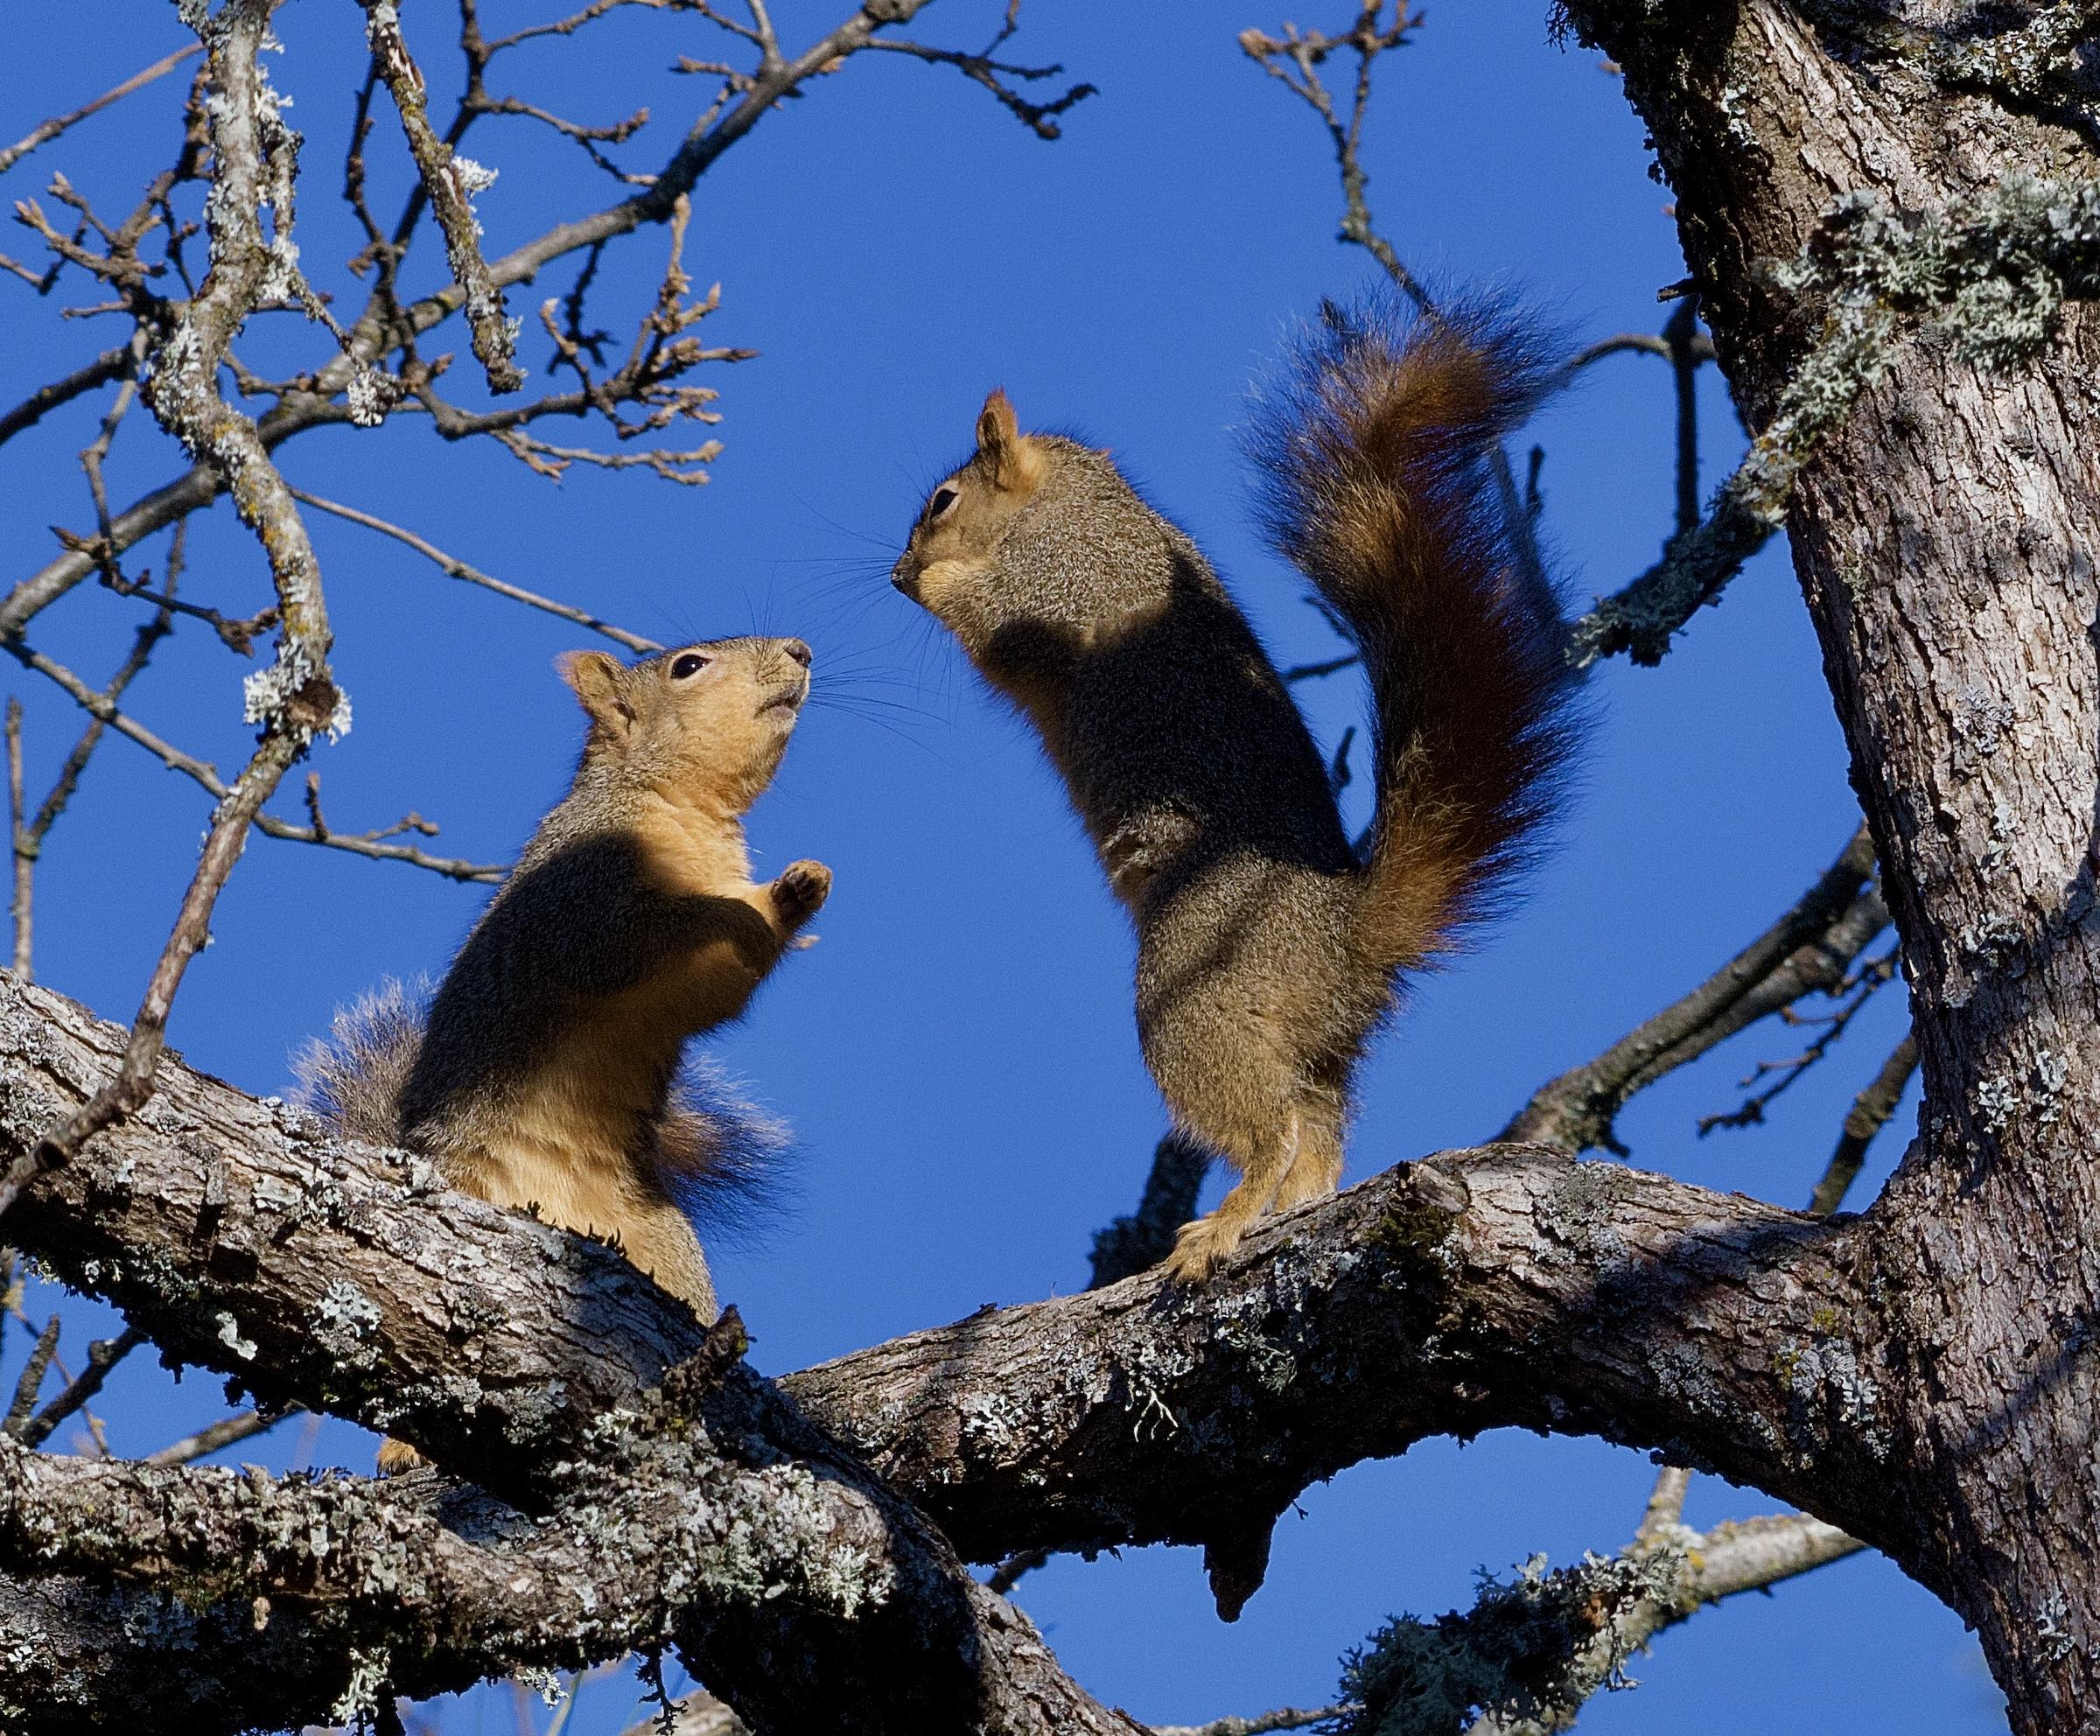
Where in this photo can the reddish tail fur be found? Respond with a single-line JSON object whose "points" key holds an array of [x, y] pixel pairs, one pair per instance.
{"points": [[1376, 453]]}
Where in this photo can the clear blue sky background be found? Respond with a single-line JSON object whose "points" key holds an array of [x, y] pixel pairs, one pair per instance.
{"points": [[957, 1056]]}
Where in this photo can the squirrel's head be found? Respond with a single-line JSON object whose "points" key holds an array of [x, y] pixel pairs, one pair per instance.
{"points": [[950, 563], [1033, 553], [705, 722]]}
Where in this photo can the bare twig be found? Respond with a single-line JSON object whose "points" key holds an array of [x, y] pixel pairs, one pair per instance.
{"points": [[24, 861], [1860, 986], [1869, 1115], [202, 772], [1300, 672], [450, 181], [453, 567], [239, 1426], [587, 138], [30, 834], [31, 1381], [50, 128], [574, 22], [102, 1355], [1041, 118], [115, 364], [1809, 947]]}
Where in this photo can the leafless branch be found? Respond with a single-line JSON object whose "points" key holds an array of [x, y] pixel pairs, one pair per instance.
{"points": [[1041, 118], [1869, 1115], [453, 567], [1859, 988], [1809, 947], [242, 1425], [1533, 1649], [20, 904], [587, 138], [576, 21], [30, 1381], [102, 1355], [116, 364], [28, 836], [50, 128], [450, 181], [1294, 61], [202, 772], [1298, 672]]}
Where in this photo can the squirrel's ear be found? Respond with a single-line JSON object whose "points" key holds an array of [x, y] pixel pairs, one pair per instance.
{"points": [[601, 683], [1015, 462]]}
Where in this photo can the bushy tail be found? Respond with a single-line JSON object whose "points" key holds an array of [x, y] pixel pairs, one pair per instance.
{"points": [[354, 1081], [1374, 452], [717, 1155]]}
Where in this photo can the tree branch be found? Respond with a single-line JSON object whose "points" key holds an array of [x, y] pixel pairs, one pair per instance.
{"points": [[99, 705], [1809, 947], [450, 181], [453, 567], [1531, 1651], [1503, 1287], [50, 128]]}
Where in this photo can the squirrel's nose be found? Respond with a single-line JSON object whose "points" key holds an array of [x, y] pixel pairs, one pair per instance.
{"points": [[796, 649]]}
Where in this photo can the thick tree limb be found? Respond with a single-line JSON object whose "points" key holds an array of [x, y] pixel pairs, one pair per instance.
{"points": [[230, 1231], [1505, 1286]]}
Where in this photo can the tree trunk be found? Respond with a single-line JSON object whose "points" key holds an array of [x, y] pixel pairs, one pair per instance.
{"points": [[1945, 537]]}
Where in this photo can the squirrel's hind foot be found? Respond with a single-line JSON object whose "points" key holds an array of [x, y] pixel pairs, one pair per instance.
{"points": [[1201, 1246]]}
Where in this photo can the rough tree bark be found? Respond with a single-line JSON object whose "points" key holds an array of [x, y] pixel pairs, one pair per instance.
{"points": [[1946, 539]]}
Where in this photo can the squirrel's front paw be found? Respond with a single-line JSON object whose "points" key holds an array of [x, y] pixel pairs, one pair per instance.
{"points": [[800, 891]]}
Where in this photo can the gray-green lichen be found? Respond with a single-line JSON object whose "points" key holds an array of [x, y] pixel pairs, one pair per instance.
{"points": [[1989, 276], [1534, 1647]]}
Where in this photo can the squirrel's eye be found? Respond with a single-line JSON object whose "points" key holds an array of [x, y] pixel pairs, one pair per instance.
{"points": [[690, 664], [944, 497]]}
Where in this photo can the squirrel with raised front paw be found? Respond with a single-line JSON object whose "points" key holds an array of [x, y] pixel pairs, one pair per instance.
{"points": [[1269, 948], [546, 1071]]}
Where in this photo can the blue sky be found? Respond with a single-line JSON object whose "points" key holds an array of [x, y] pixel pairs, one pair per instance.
{"points": [[956, 1056]]}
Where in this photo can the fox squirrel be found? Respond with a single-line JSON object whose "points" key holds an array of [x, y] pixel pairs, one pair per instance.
{"points": [[546, 1071], [1268, 947]]}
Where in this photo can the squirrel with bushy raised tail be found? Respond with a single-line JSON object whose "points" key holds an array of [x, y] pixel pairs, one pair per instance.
{"points": [[546, 1071], [1269, 948]]}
